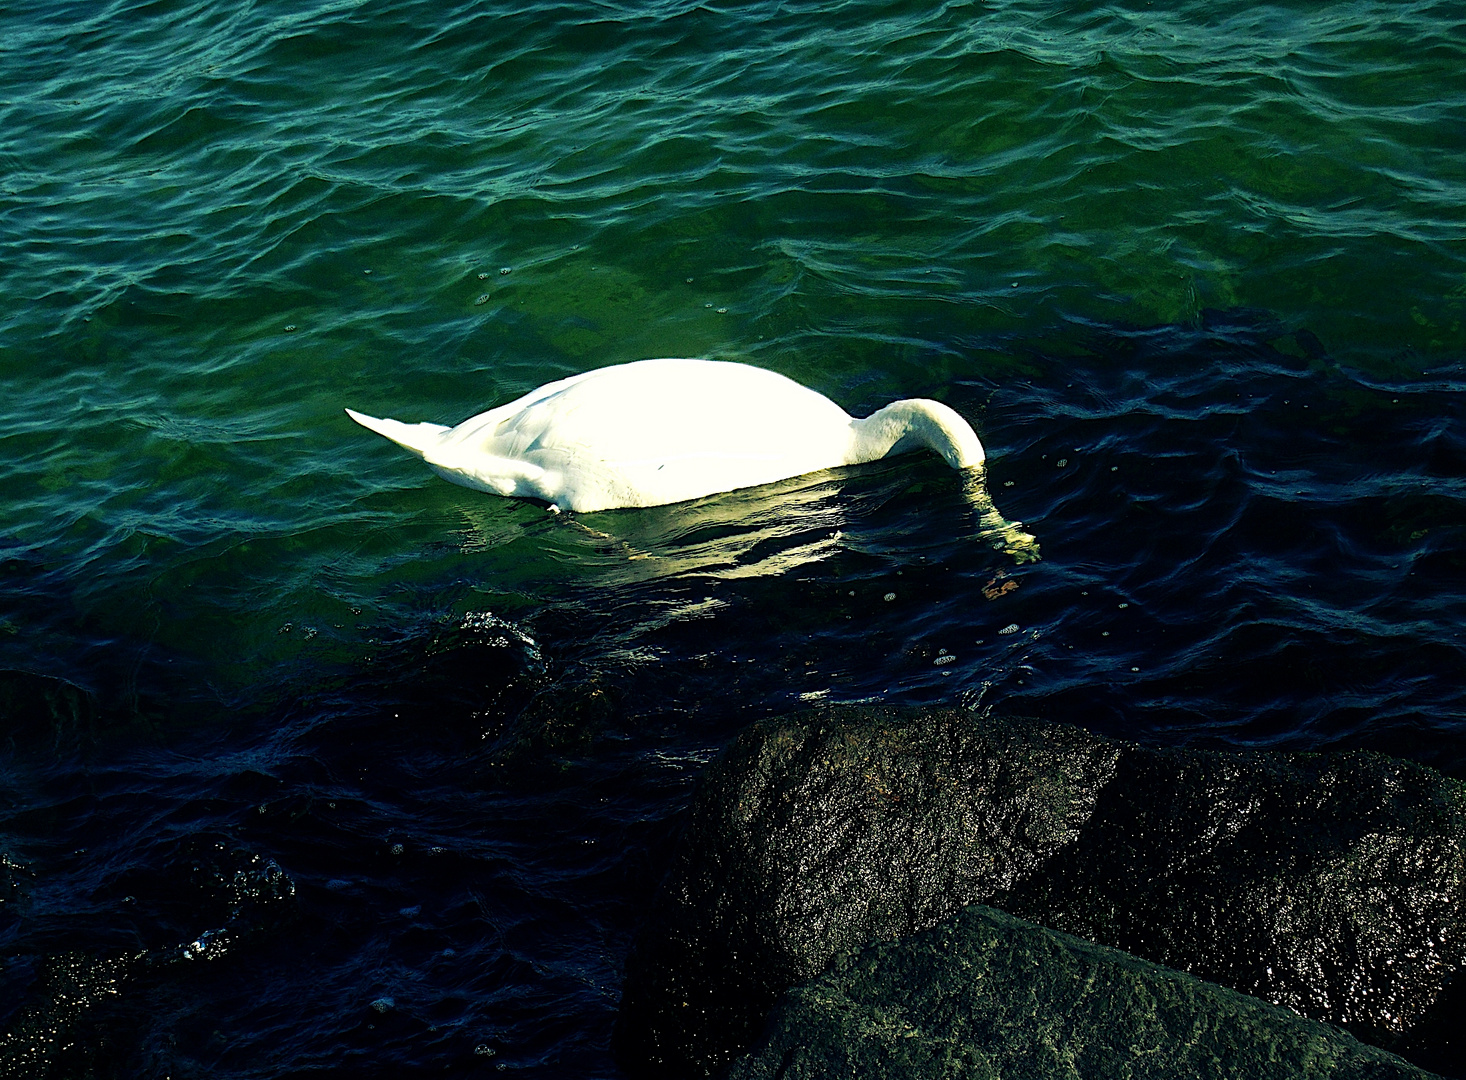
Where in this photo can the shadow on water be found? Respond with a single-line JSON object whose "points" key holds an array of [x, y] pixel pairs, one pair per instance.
{"points": [[1270, 544], [432, 858]]}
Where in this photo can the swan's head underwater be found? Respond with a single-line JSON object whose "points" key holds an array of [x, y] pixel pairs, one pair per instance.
{"points": [[665, 431]]}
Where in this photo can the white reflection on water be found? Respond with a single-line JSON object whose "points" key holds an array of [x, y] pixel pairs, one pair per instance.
{"points": [[749, 533]]}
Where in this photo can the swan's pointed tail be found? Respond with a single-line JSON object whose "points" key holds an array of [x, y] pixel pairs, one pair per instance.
{"points": [[419, 438]]}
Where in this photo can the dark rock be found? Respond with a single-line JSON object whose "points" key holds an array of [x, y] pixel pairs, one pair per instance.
{"points": [[1329, 883], [984, 995], [824, 832]]}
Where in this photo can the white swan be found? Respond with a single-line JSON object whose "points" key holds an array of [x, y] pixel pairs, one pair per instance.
{"points": [[664, 431]]}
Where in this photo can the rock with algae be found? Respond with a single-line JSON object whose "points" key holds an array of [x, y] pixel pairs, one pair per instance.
{"points": [[1333, 884], [829, 830], [986, 996]]}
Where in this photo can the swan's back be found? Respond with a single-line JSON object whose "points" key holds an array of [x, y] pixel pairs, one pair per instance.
{"points": [[648, 433]]}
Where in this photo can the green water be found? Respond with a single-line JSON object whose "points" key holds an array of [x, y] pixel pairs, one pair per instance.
{"points": [[220, 224]]}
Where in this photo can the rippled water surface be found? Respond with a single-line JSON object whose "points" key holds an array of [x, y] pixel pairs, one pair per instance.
{"points": [[314, 764]]}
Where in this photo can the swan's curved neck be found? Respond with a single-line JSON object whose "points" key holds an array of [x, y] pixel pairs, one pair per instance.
{"points": [[915, 422]]}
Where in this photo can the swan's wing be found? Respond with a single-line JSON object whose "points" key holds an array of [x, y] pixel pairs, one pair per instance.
{"points": [[652, 432], [663, 409], [666, 431]]}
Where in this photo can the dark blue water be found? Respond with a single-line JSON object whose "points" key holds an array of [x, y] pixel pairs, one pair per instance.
{"points": [[432, 860]]}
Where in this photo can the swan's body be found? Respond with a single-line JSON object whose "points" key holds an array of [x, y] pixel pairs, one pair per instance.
{"points": [[663, 431]]}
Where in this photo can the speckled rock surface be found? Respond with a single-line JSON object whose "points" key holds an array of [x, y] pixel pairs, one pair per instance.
{"points": [[1330, 883], [830, 830], [986, 996]]}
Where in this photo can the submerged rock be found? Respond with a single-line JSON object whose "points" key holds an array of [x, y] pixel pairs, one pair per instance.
{"points": [[1332, 884], [55, 1031], [984, 996], [42, 711], [77, 1015]]}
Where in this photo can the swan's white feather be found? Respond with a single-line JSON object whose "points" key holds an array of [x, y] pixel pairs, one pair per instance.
{"points": [[663, 431]]}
